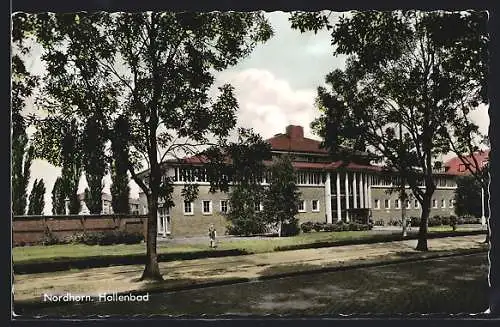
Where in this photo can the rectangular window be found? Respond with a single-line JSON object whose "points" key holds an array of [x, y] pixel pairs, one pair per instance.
{"points": [[387, 204], [188, 208], [206, 207], [223, 206], [416, 204], [301, 178], [302, 206], [397, 204], [315, 205], [258, 206], [443, 203], [451, 202], [314, 178], [377, 204], [408, 205], [434, 203], [442, 182]]}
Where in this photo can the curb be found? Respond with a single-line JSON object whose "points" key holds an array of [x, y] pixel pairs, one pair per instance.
{"points": [[356, 264], [135, 259]]}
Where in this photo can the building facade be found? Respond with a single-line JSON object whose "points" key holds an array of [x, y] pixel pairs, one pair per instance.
{"points": [[330, 189]]}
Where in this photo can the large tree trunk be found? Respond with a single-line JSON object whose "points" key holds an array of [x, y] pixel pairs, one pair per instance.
{"points": [[422, 232], [152, 270]]}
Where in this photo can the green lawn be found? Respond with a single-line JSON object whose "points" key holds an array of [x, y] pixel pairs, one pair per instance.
{"points": [[61, 252], [58, 252]]}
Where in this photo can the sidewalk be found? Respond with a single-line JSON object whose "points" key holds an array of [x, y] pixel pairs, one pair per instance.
{"points": [[177, 275]]}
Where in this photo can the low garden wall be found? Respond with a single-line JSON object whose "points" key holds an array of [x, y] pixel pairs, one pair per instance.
{"points": [[28, 230]]}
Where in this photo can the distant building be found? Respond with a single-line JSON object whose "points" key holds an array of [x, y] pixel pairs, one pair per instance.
{"points": [[330, 189]]}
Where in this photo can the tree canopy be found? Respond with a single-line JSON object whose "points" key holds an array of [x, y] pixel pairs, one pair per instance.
{"points": [[282, 196], [157, 69], [423, 72]]}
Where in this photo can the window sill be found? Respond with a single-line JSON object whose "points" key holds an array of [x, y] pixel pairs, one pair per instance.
{"points": [[188, 213]]}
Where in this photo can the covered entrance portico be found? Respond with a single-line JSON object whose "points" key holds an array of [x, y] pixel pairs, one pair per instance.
{"points": [[346, 190]]}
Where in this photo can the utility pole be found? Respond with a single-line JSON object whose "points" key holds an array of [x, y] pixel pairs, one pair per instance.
{"points": [[483, 218]]}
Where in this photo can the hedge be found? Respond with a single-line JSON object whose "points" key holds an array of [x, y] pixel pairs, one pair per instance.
{"points": [[341, 226], [95, 238]]}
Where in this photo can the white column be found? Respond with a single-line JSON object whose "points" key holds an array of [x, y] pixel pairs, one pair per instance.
{"points": [[355, 192], [369, 187], [339, 215], [365, 190], [328, 199], [346, 196], [361, 191]]}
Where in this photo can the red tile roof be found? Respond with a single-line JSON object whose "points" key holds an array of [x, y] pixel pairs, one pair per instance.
{"points": [[456, 166], [294, 141]]}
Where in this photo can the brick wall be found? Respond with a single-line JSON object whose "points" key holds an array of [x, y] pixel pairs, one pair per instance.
{"points": [[32, 229]]}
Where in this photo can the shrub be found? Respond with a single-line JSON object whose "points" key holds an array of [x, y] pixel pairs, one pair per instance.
{"points": [[307, 226], [318, 227], [338, 226], [49, 238], [105, 238], [469, 220], [330, 227], [445, 220], [290, 228], [358, 227], [434, 221], [133, 238], [76, 238], [415, 221], [380, 222], [395, 222]]}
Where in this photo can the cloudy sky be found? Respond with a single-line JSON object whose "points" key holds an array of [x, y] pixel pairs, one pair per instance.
{"points": [[275, 86]]}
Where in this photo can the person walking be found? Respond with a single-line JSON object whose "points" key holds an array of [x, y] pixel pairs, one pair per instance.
{"points": [[212, 234]]}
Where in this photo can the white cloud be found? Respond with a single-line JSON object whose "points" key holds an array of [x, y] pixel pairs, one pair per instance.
{"points": [[268, 104]]}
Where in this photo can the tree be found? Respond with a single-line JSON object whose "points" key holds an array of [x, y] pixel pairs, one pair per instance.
{"points": [[245, 173], [23, 84], [282, 196], [468, 197], [95, 162], [22, 157], [120, 191], [58, 198], [71, 166], [161, 66], [37, 202], [404, 69]]}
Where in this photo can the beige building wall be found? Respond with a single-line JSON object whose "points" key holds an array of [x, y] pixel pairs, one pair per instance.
{"points": [[308, 194], [387, 214], [197, 223]]}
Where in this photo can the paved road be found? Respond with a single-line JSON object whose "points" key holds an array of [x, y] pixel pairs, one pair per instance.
{"points": [[184, 273], [446, 285]]}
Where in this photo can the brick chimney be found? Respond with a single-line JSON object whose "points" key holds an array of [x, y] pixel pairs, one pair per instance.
{"points": [[295, 132]]}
